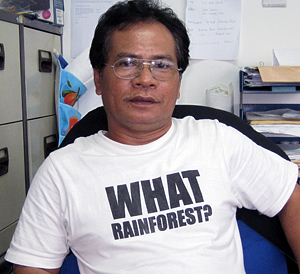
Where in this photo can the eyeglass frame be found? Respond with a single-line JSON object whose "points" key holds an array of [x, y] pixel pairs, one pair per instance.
{"points": [[145, 62]]}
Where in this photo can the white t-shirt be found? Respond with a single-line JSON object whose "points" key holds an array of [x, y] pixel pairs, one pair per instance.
{"points": [[164, 207]]}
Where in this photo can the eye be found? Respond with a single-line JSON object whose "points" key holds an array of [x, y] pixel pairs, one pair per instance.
{"points": [[127, 63], [163, 64]]}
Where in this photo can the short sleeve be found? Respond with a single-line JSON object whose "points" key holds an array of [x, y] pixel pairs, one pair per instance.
{"points": [[261, 179]]}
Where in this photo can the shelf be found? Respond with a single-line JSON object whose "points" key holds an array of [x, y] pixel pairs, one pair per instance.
{"points": [[269, 97], [35, 24], [267, 107], [257, 86], [271, 89]]}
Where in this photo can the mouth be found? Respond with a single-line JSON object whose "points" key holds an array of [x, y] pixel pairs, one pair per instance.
{"points": [[142, 100]]}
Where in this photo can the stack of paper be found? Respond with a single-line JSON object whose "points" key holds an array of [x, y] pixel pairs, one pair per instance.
{"points": [[276, 122], [294, 155], [279, 123]]}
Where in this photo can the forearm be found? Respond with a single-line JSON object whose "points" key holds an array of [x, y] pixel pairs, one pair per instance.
{"points": [[290, 221], [19, 269]]}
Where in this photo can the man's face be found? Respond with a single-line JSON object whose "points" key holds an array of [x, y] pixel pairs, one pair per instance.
{"points": [[143, 104]]}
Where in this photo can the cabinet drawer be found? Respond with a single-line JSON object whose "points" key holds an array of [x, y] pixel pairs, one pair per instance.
{"points": [[10, 79], [39, 72], [12, 179], [42, 134]]}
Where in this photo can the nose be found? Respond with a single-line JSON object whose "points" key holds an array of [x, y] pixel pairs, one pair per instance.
{"points": [[146, 78]]}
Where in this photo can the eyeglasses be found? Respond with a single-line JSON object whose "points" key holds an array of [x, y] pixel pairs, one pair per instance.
{"points": [[130, 68]]}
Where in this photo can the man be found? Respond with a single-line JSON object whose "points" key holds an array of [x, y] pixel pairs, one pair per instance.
{"points": [[152, 194]]}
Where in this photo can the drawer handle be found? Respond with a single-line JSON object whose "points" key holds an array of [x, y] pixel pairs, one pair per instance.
{"points": [[4, 160], [45, 61], [50, 144], [2, 57]]}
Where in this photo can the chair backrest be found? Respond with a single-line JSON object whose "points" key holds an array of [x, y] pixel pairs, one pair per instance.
{"points": [[268, 228]]}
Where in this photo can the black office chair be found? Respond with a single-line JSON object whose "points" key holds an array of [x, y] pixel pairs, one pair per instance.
{"points": [[263, 227]]}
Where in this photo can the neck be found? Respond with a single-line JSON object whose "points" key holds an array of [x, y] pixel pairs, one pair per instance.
{"points": [[136, 137]]}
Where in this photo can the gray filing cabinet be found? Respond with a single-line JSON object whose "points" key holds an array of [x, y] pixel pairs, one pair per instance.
{"points": [[12, 170], [27, 111]]}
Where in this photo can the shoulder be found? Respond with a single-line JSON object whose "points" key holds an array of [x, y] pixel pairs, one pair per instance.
{"points": [[192, 124], [79, 146], [207, 130]]}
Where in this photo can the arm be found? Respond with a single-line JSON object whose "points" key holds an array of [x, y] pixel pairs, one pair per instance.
{"points": [[19, 269], [290, 220]]}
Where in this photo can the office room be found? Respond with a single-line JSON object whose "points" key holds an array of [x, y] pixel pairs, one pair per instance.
{"points": [[263, 34]]}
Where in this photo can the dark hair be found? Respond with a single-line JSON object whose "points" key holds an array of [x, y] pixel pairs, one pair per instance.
{"points": [[125, 13]]}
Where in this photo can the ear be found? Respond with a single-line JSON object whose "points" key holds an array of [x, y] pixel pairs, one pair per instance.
{"points": [[97, 81]]}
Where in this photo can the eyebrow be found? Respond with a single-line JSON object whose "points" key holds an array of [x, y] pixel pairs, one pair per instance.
{"points": [[168, 57], [124, 54], [155, 57]]}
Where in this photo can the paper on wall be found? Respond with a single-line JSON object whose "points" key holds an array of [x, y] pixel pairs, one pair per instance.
{"points": [[85, 15], [214, 28]]}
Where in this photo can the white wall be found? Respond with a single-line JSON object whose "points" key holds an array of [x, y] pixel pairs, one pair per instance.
{"points": [[262, 29]]}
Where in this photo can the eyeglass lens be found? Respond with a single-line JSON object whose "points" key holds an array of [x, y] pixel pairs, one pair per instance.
{"points": [[129, 68]]}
